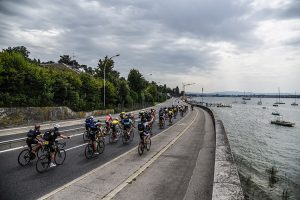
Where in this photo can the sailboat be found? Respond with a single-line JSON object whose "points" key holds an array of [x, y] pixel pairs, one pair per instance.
{"points": [[259, 102], [279, 101], [235, 101], [294, 103], [246, 98]]}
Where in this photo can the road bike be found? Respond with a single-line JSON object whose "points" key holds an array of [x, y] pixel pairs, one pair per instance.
{"points": [[100, 146], [43, 162], [114, 135], [25, 156], [161, 122], [127, 135], [146, 144], [100, 128]]}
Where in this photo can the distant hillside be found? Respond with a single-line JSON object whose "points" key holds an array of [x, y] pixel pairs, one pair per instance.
{"points": [[236, 93]]}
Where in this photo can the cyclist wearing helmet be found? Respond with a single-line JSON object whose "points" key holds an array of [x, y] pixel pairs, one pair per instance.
{"points": [[114, 125], [144, 130], [127, 124], [121, 116], [32, 139], [51, 136], [108, 120]]}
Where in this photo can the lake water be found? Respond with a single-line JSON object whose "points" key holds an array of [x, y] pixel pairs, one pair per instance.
{"points": [[258, 145]]}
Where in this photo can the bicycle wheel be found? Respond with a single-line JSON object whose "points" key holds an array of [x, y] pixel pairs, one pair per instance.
{"points": [[42, 164], [131, 135], [41, 152], [88, 152], [124, 138], [24, 157], [85, 136], [148, 144], [100, 146], [60, 156], [141, 148], [111, 139]]}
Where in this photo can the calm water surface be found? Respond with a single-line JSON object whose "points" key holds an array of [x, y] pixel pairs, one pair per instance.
{"points": [[258, 145]]}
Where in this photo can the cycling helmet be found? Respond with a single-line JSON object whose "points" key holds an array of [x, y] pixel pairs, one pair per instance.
{"points": [[56, 127], [92, 117], [123, 113], [36, 127]]}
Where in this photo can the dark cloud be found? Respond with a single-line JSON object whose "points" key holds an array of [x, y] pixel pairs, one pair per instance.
{"points": [[145, 33]]}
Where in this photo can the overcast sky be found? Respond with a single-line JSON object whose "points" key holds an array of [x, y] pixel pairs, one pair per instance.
{"points": [[221, 45]]}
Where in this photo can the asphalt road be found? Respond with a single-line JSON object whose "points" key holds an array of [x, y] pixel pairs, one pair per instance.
{"points": [[18, 182]]}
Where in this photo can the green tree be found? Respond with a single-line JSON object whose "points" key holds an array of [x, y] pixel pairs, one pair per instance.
{"points": [[20, 49], [66, 59], [136, 81]]}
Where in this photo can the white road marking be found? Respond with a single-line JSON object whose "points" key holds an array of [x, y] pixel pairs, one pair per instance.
{"points": [[16, 148], [75, 147]]}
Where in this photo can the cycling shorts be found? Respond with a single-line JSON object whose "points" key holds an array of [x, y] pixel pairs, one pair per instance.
{"points": [[31, 141]]}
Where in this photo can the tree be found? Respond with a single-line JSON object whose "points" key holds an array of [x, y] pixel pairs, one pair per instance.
{"points": [[136, 81], [21, 49], [66, 59], [110, 74]]}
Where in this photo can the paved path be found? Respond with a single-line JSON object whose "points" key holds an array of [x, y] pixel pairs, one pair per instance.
{"points": [[180, 165]]}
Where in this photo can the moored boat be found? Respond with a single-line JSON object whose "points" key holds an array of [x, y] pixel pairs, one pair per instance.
{"points": [[294, 103], [281, 122], [276, 113]]}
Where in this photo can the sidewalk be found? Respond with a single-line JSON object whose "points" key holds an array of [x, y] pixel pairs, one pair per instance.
{"points": [[182, 155]]}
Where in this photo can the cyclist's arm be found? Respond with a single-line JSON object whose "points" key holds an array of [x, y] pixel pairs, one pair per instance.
{"points": [[64, 136]]}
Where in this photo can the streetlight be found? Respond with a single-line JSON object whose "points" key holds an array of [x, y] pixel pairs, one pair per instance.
{"points": [[104, 78]]}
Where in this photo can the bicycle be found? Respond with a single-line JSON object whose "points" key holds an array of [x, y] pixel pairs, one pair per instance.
{"points": [[43, 162], [170, 121], [89, 150], [146, 144], [161, 123], [114, 137], [86, 135], [127, 137], [25, 156]]}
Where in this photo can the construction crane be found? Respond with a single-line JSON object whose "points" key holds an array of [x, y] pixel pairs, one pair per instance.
{"points": [[183, 89]]}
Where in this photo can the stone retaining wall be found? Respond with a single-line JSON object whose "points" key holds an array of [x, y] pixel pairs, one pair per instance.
{"points": [[10, 117], [227, 185]]}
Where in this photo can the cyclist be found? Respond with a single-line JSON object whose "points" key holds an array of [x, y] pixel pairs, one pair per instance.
{"points": [[144, 130], [161, 116], [174, 109], [108, 120], [32, 139], [93, 126], [131, 116], [50, 136], [170, 115], [113, 127], [127, 124], [121, 116], [192, 107]]}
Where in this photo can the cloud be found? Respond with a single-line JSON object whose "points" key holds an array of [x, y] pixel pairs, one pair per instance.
{"points": [[170, 38]]}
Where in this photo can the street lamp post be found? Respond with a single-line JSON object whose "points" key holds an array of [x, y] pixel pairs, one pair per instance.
{"points": [[104, 78]]}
